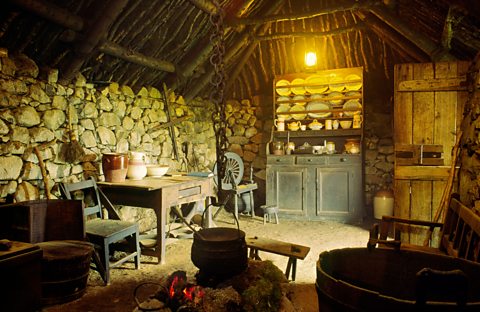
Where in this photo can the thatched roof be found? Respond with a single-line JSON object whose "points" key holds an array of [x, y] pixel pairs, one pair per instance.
{"points": [[147, 42]]}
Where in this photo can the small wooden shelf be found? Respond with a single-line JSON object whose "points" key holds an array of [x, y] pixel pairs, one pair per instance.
{"points": [[318, 133]]}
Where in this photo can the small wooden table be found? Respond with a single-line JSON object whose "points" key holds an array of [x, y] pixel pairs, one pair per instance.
{"points": [[160, 194], [292, 251]]}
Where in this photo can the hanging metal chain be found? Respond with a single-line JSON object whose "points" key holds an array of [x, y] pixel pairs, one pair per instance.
{"points": [[217, 96]]}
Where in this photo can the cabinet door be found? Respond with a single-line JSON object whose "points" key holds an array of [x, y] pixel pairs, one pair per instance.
{"points": [[339, 193], [286, 189]]}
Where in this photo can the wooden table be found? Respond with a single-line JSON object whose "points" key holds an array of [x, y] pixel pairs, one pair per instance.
{"points": [[160, 194]]}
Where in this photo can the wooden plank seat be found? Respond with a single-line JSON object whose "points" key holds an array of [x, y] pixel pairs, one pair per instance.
{"points": [[292, 251], [459, 234]]}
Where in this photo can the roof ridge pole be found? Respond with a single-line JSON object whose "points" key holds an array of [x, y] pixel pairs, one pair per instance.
{"points": [[94, 35]]}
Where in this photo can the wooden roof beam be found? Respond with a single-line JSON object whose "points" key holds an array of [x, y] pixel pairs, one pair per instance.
{"points": [[111, 48], [52, 13], [338, 31], [289, 17], [391, 37], [241, 43], [94, 35], [206, 6], [436, 53], [201, 52]]}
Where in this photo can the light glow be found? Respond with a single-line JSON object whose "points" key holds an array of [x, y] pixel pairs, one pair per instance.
{"points": [[310, 59]]}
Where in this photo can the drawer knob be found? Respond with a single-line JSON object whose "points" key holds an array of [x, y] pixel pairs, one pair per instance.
{"points": [[309, 160], [343, 159]]}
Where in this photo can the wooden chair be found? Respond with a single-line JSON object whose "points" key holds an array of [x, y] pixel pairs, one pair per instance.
{"points": [[104, 233], [459, 234]]}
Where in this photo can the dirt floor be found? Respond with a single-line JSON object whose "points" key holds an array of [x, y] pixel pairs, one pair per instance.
{"points": [[318, 235]]}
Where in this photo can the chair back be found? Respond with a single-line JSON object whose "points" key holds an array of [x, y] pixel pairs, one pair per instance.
{"points": [[87, 191]]}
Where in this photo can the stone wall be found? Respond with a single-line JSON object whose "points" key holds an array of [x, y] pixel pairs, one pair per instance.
{"points": [[35, 111]]}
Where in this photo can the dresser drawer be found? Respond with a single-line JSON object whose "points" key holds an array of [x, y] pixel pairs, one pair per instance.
{"points": [[281, 160], [311, 160], [344, 159]]}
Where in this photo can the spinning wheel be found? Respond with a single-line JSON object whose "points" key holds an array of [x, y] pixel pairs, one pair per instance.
{"points": [[232, 181], [233, 169]]}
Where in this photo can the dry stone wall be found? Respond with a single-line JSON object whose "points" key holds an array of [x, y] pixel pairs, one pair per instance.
{"points": [[35, 111]]}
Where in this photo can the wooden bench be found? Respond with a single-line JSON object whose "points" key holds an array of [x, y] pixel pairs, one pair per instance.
{"points": [[292, 251], [459, 234]]}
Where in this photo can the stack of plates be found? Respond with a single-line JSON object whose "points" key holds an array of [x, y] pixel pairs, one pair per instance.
{"points": [[316, 84], [352, 104], [283, 108], [336, 84], [300, 99], [356, 83], [337, 101], [283, 87], [298, 108], [318, 105], [298, 86]]}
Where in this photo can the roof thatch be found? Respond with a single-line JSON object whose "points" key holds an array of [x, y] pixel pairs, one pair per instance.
{"points": [[144, 42]]}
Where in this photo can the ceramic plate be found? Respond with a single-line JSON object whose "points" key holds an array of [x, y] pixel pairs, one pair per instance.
{"points": [[283, 100], [336, 84], [355, 84], [352, 104], [317, 96], [300, 100], [336, 101], [298, 108], [300, 90], [316, 84], [282, 87], [283, 108], [354, 93], [318, 105]]}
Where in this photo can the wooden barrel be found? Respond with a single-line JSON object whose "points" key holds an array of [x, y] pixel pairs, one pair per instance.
{"points": [[65, 269], [358, 279]]}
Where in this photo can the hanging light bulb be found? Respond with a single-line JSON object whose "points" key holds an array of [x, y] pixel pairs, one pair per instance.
{"points": [[310, 59]]}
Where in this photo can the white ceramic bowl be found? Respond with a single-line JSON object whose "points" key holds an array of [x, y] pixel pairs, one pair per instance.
{"points": [[345, 124], [156, 170]]}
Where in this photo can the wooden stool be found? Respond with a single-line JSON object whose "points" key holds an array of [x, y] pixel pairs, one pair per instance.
{"points": [[268, 210], [292, 251]]}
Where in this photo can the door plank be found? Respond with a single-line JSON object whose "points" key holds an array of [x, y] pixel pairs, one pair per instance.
{"points": [[423, 107], [436, 84], [421, 209], [403, 107], [445, 111], [402, 204]]}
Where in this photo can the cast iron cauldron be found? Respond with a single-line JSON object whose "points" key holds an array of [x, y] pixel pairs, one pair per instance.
{"points": [[220, 252], [358, 279]]}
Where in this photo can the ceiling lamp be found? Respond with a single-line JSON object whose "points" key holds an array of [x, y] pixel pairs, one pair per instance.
{"points": [[310, 59]]}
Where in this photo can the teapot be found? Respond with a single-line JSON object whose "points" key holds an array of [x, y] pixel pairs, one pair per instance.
{"points": [[294, 125], [315, 125]]}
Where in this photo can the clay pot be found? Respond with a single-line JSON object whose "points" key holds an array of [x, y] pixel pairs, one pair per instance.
{"points": [[115, 166]]}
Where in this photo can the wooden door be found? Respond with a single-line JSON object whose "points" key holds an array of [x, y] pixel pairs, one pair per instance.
{"points": [[428, 108]]}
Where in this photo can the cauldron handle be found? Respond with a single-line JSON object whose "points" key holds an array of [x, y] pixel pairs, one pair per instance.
{"points": [[227, 198], [454, 282]]}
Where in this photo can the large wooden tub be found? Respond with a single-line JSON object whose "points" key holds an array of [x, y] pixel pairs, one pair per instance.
{"points": [[358, 279]]}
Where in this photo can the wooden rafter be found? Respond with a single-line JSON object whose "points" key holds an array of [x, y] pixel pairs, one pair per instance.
{"points": [[391, 37], [290, 17], [116, 50], [52, 13], [205, 5], [436, 53], [97, 31], [338, 31]]}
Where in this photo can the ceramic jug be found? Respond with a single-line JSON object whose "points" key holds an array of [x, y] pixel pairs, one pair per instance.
{"points": [[137, 169], [279, 123], [357, 121]]}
